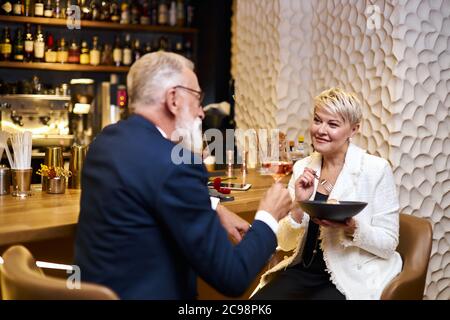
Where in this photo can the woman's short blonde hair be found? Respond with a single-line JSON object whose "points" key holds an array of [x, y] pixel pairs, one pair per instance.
{"points": [[340, 102]]}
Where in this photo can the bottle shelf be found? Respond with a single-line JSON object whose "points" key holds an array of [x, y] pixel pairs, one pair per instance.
{"points": [[98, 25], [61, 67]]}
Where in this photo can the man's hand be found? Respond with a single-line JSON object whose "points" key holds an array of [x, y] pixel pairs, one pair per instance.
{"points": [[276, 201], [235, 226]]}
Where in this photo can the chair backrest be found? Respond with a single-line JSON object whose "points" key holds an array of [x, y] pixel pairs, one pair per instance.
{"points": [[21, 279], [416, 238]]}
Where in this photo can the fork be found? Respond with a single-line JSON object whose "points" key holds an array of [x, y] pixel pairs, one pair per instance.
{"points": [[324, 183]]}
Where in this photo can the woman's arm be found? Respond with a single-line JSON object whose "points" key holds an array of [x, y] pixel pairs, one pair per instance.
{"points": [[380, 235]]}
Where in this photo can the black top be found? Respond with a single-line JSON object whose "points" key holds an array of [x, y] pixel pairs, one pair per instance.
{"points": [[313, 263]]}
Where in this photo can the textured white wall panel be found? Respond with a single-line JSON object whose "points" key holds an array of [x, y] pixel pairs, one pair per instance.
{"points": [[257, 63], [288, 51], [420, 140]]}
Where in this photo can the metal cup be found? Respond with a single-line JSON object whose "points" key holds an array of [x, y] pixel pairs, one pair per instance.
{"points": [[5, 180], [53, 158], [77, 156], [56, 185], [21, 182]]}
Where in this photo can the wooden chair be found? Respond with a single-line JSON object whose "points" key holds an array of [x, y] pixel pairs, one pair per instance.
{"points": [[21, 279]]}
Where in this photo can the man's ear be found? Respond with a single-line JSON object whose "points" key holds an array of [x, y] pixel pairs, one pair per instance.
{"points": [[171, 101]]}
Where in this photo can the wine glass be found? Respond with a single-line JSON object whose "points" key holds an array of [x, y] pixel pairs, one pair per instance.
{"points": [[277, 164]]}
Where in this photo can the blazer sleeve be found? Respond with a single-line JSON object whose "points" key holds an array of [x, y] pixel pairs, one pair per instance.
{"points": [[380, 235], [183, 207], [289, 232]]}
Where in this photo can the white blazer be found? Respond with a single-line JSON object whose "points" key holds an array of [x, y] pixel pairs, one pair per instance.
{"points": [[361, 266]]}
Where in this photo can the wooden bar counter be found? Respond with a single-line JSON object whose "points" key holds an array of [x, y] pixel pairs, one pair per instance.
{"points": [[46, 223], [46, 216]]}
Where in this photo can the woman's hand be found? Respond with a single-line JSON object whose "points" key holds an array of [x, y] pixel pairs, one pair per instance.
{"points": [[304, 186], [349, 225]]}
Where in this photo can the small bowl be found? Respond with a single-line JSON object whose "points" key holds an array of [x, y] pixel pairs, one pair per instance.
{"points": [[332, 211]]}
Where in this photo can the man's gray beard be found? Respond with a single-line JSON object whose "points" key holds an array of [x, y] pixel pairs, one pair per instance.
{"points": [[191, 133]]}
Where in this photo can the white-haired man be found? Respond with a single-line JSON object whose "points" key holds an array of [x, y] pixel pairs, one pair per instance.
{"points": [[146, 226]]}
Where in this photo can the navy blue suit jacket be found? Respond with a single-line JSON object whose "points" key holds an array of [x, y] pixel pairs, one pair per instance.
{"points": [[146, 228]]}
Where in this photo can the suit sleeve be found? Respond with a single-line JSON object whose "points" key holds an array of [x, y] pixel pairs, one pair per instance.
{"points": [[183, 206]]}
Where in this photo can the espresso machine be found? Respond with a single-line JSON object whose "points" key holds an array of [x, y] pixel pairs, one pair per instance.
{"points": [[46, 116]]}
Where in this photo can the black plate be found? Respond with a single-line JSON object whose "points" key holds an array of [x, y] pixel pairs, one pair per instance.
{"points": [[332, 211]]}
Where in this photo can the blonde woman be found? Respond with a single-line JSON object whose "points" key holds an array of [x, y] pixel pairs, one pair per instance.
{"points": [[330, 260]]}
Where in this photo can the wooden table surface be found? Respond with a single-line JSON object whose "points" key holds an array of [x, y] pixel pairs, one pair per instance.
{"points": [[46, 216]]}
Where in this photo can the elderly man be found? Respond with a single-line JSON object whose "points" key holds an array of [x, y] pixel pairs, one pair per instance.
{"points": [[146, 227]]}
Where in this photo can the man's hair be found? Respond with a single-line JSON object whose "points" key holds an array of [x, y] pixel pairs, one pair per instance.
{"points": [[151, 75], [340, 102]]}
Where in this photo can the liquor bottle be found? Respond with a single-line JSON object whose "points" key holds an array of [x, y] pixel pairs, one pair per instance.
{"points": [[68, 12], [189, 16], [62, 55], [85, 10], [188, 50], [74, 53], [39, 8], [6, 45], [154, 12], [18, 8], [117, 52], [7, 8], [27, 12], [145, 13], [58, 13], [134, 11], [163, 13], [127, 54], [48, 9], [180, 13], [39, 45], [29, 43], [137, 53], [301, 152], [179, 48], [95, 10], [125, 13], [148, 48], [163, 44], [107, 55], [18, 46], [105, 14], [94, 54], [173, 13], [50, 53], [84, 56], [115, 12]]}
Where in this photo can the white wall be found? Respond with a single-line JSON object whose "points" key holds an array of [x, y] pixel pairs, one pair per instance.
{"points": [[287, 51]]}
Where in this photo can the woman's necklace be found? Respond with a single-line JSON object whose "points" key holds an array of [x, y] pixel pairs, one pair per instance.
{"points": [[307, 265]]}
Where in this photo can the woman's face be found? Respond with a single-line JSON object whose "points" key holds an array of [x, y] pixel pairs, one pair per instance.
{"points": [[329, 132]]}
